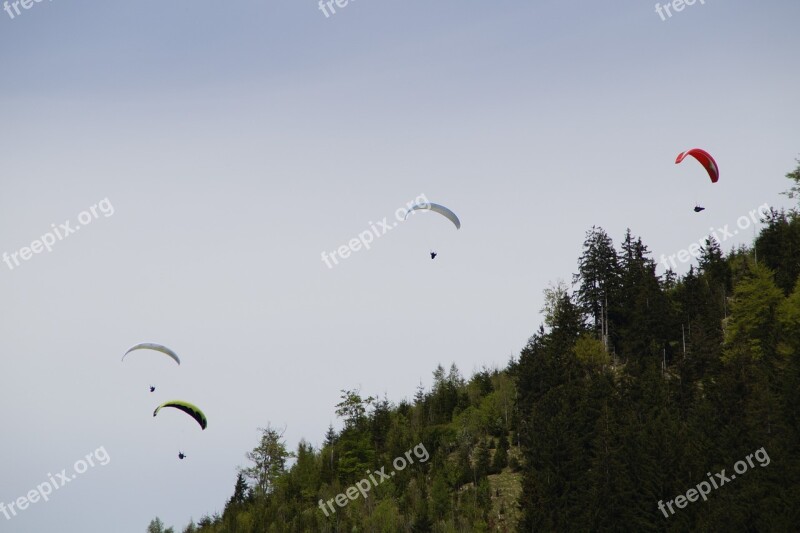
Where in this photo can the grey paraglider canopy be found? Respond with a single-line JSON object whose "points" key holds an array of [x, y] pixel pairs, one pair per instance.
{"points": [[155, 347], [442, 210]]}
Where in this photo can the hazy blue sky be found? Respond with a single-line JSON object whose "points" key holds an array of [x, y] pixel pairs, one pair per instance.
{"points": [[237, 141]]}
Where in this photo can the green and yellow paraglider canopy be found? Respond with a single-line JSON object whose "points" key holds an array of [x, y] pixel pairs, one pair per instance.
{"points": [[187, 408]]}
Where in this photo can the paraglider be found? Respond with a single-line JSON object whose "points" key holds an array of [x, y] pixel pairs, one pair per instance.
{"points": [[187, 408], [155, 347], [705, 159], [436, 208]]}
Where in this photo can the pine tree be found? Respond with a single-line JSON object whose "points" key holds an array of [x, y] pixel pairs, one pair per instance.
{"points": [[239, 491], [598, 275], [641, 305], [440, 498], [778, 246], [482, 461], [752, 330], [156, 526], [500, 459]]}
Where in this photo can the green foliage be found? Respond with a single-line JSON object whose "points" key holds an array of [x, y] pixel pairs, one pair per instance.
{"points": [[598, 275], [554, 297], [269, 460], [794, 191], [591, 351], [752, 327], [440, 498], [156, 526], [482, 461], [789, 321], [638, 387], [353, 408], [500, 459]]}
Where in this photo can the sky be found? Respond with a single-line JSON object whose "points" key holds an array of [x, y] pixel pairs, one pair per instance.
{"points": [[191, 161]]}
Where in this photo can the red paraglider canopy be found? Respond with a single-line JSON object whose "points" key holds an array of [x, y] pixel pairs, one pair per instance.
{"points": [[705, 159]]}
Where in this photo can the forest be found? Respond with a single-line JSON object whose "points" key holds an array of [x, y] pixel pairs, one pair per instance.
{"points": [[644, 402]]}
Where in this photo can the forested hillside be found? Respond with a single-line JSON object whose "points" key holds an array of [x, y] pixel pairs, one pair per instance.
{"points": [[632, 408]]}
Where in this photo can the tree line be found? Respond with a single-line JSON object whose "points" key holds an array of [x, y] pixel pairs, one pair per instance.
{"points": [[637, 387]]}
